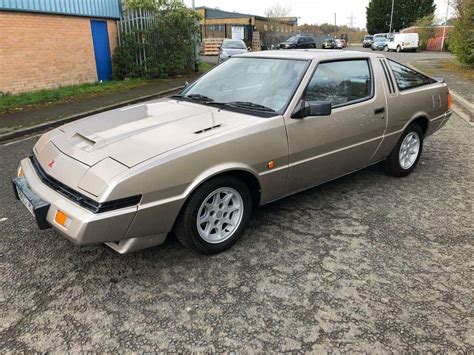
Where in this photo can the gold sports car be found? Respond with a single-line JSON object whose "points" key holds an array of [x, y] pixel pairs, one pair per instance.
{"points": [[254, 129]]}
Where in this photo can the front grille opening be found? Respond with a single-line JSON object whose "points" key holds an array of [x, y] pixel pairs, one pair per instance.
{"points": [[79, 198], [207, 129]]}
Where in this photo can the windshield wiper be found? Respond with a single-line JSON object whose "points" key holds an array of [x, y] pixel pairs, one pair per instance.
{"points": [[199, 97], [251, 105]]}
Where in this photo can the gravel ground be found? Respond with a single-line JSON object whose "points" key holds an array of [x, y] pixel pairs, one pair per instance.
{"points": [[365, 263]]}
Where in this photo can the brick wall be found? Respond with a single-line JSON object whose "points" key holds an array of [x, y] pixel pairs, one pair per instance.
{"points": [[40, 51]]}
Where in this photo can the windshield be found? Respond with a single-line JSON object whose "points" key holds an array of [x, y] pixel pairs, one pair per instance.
{"points": [[368, 37], [237, 44], [264, 82], [380, 39], [292, 39]]}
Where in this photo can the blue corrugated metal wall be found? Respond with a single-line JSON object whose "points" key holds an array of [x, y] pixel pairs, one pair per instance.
{"points": [[89, 8]]}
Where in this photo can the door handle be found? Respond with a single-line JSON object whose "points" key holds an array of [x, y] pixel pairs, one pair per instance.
{"points": [[379, 110]]}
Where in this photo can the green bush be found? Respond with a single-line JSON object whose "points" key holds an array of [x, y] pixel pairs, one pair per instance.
{"points": [[165, 49], [425, 30], [461, 38]]}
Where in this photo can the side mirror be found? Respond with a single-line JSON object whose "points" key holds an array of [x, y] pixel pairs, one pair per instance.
{"points": [[312, 108]]}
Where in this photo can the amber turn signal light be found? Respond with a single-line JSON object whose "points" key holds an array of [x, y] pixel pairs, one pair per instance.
{"points": [[271, 164], [62, 219], [450, 100], [20, 172]]}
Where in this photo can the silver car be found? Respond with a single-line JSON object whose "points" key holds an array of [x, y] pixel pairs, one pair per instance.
{"points": [[231, 47], [258, 127]]}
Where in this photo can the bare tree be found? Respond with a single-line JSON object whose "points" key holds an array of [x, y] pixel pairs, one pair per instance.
{"points": [[278, 10], [274, 14]]}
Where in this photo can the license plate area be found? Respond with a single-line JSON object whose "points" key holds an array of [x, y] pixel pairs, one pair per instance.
{"points": [[35, 205]]}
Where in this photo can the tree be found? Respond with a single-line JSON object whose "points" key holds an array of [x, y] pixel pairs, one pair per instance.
{"points": [[461, 38], [274, 13], [165, 47], [425, 30], [405, 14], [153, 5]]}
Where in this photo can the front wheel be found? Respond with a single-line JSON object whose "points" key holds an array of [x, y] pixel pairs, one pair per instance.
{"points": [[215, 215], [399, 49], [405, 156]]}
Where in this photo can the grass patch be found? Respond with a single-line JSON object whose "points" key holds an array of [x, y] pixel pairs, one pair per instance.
{"points": [[463, 70], [12, 103], [439, 66], [204, 67], [9, 102]]}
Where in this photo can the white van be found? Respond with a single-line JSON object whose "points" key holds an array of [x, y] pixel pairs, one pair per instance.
{"points": [[403, 42]]}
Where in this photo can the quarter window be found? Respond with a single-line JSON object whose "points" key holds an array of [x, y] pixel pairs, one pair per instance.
{"points": [[407, 78], [341, 82]]}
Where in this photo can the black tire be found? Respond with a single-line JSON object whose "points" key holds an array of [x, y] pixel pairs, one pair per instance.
{"points": [[392, 163], [186, 229], [399, 49]]}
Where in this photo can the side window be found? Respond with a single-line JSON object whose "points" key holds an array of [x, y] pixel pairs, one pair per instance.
{"points": [[301, 40], [407, 78], [340, 82]]}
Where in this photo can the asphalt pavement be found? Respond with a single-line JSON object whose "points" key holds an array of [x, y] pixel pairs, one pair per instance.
{"points": [[365, 263]]}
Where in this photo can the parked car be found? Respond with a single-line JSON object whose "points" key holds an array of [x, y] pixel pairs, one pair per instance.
{"points": [[403, 42], [254, 129], [381, 35], [295, 42], [367, 42], [231, 47], [379, 44], [338, 44], [328, 43]]}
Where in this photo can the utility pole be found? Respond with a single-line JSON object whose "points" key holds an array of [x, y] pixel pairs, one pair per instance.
{"points": [[391, 17], [335, 24], [444, 28]]}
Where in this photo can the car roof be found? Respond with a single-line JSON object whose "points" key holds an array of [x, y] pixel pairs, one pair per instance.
{"points": [[310, 54]]}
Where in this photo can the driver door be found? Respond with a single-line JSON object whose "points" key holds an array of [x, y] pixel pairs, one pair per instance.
{"points": [[323, 148]]}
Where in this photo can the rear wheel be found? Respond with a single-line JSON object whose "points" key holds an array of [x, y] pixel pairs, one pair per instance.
{"points": [[399, 49], [405, 156], [215, 215]]}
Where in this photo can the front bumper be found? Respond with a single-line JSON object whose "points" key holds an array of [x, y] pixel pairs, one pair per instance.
{"points": [[85, 227]]}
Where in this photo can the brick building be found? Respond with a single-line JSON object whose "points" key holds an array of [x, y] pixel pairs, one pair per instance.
{"points": [[46, 44], [216, 23]]}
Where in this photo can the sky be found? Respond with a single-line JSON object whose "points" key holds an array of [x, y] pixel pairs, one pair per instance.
{"points": [[309, 11]]}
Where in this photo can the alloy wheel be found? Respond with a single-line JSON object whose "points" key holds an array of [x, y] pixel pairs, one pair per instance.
{"points": [[409, 150], [219, 215]]}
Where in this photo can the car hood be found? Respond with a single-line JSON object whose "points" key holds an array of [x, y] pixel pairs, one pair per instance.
{"points": [[287, 42], [131, 135], [233, 51]]}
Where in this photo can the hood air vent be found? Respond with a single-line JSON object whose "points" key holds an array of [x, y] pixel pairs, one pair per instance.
{"points": [[207, 129]]}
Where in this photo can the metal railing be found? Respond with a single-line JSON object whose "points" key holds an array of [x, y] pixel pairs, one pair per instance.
{"points": [[136, 23]]}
